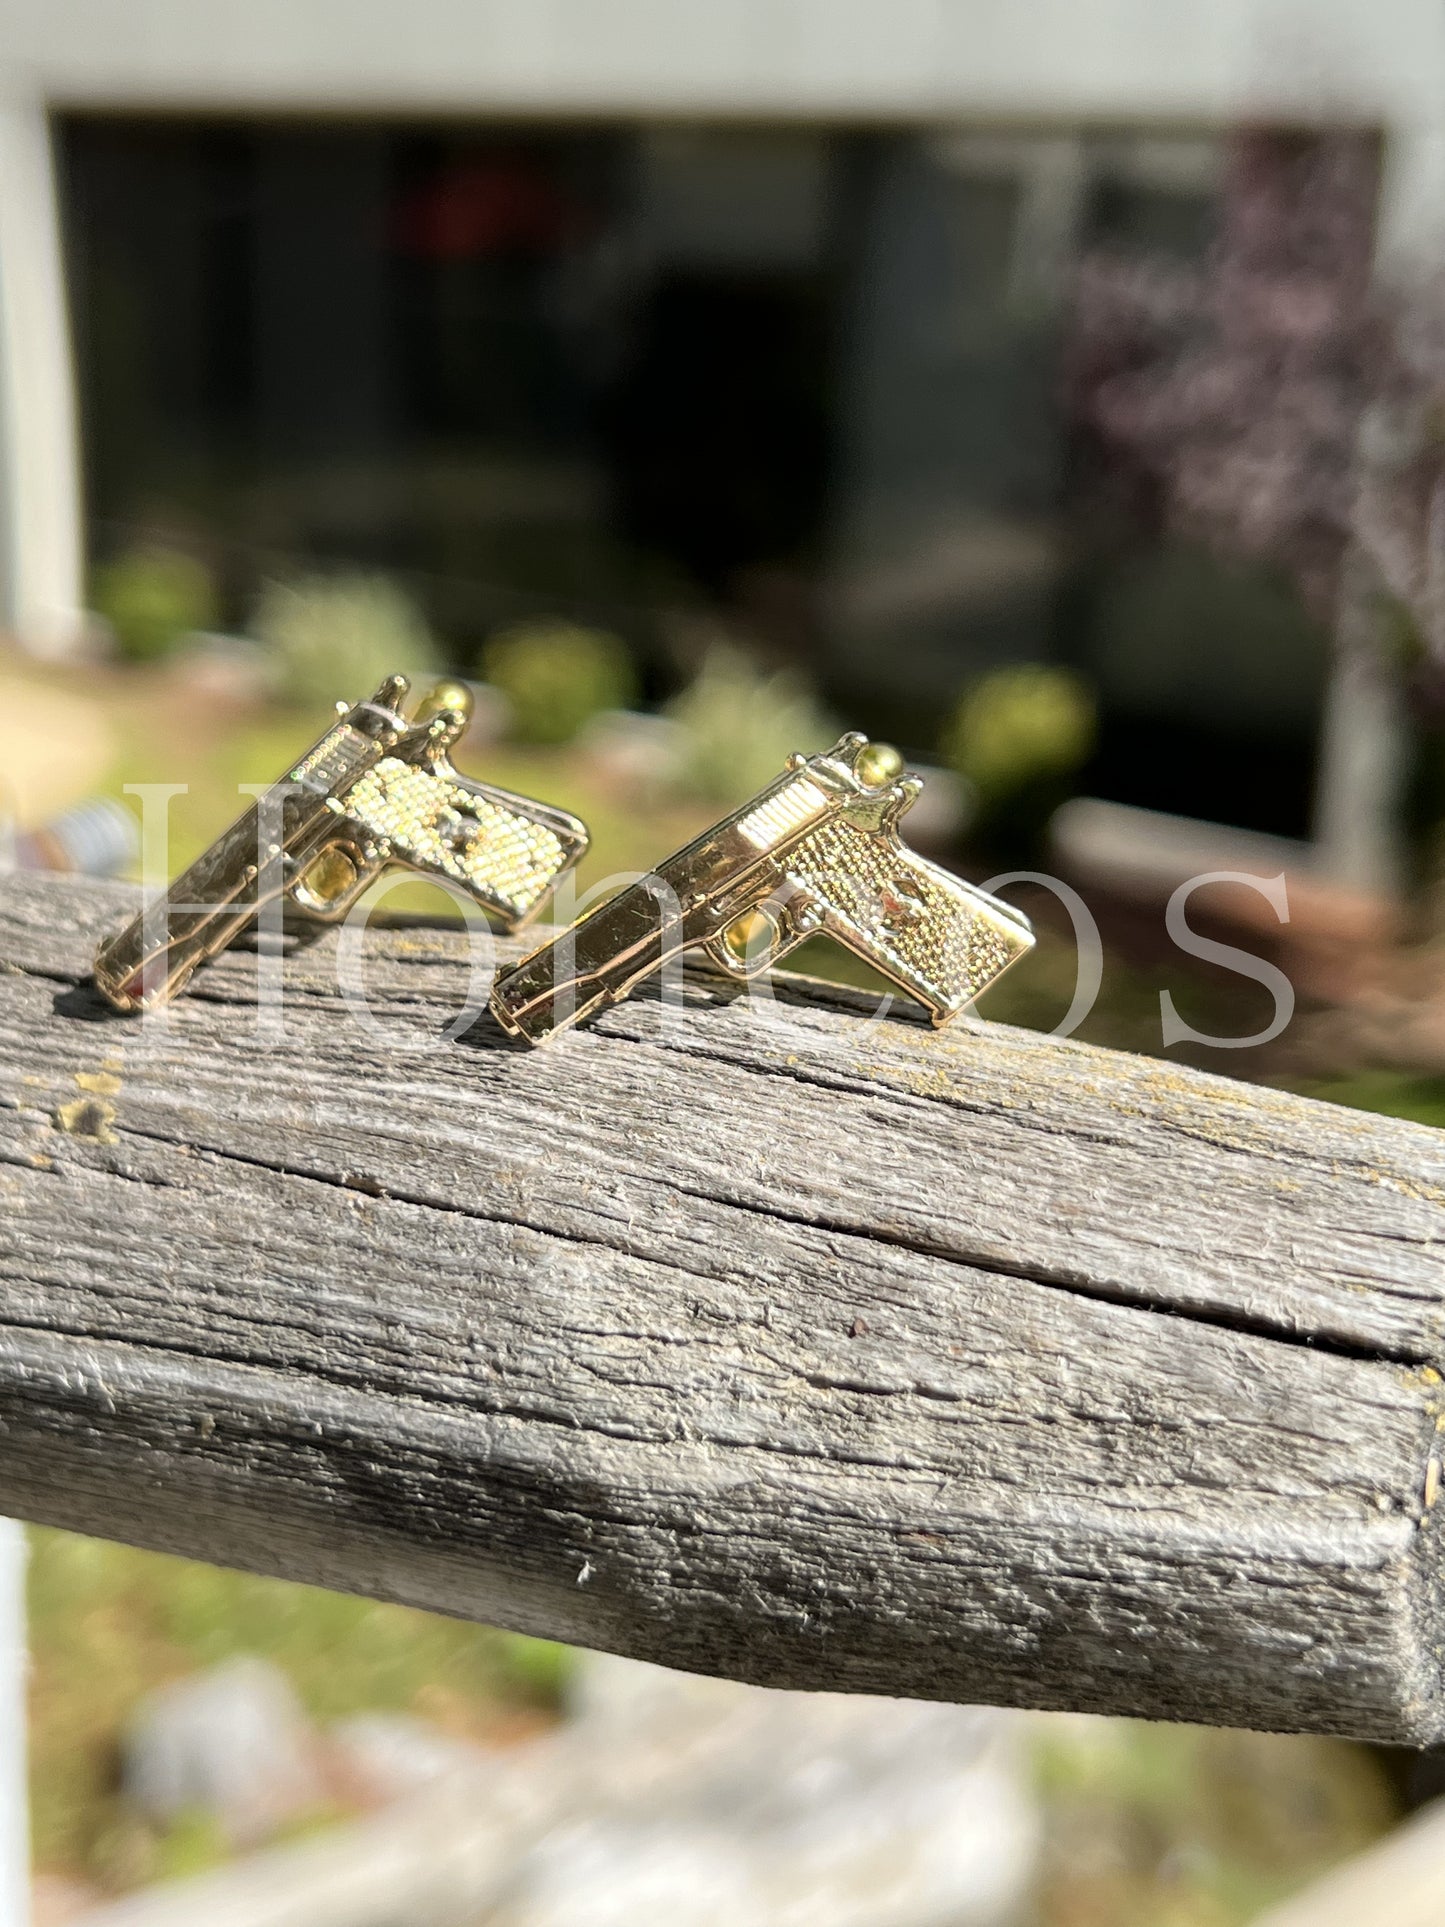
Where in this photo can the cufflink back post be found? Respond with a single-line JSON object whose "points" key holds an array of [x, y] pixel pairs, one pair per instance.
{"points": [[817, 851], [376, 790]]}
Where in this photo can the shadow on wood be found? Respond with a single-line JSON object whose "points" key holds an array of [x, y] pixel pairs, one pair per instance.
{"points": [[757, 1340]]}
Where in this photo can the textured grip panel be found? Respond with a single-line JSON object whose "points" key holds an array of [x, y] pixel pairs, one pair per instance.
{"points": [[450, 828], [934, 934]]}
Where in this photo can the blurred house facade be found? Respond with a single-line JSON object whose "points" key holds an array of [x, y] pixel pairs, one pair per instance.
{"points": [[608, 307]]}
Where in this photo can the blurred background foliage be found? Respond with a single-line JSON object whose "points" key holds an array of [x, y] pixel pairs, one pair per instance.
{"points": [[556, 676], [110, 1625], [152, 598], [1173, 1826], [323, 633], [739, 724], [1019, 736]]}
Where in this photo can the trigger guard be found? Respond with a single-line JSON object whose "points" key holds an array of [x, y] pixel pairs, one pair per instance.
{"points": [[717, 948], [793, 921], [315, 909]]}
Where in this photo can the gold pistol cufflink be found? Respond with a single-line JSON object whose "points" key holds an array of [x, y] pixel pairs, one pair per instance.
{"points": [[817, 851], [376, 790]]}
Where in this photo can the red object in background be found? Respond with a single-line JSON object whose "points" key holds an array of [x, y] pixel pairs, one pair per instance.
{"points": [[500, 204]]}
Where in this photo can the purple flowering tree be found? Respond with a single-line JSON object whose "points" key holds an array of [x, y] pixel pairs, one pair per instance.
{"points": [[1278, 404]]}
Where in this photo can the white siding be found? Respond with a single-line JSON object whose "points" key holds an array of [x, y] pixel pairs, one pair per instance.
{"points": [[1191, 58]]}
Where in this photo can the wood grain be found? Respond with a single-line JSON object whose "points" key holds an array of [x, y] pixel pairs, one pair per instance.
{"points": [[761, 1340]]}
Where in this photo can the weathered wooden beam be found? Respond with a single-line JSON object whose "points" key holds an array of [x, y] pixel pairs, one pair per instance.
{"points": [[760, 1341]]}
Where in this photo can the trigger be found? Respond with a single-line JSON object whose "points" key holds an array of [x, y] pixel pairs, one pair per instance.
{"points": [[326, 881]]}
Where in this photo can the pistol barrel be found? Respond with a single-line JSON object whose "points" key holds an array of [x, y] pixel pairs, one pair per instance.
{"points": [[593, 964], [689, 899], [212, 901], [205, 909]]}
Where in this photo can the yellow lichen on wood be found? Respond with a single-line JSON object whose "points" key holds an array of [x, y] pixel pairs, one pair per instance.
{"points": [[99, 1083], [87, 1117]]}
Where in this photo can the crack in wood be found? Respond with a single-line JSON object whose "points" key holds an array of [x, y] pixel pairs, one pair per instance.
{"points": [[1016, 1372]]}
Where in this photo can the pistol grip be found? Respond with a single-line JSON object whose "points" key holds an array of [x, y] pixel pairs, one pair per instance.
{"points": [[506, 852], [939, 938]]}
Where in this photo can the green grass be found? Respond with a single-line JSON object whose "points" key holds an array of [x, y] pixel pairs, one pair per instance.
{"points": [[1180, 1826], [1393, 1093], [109, 1624]]}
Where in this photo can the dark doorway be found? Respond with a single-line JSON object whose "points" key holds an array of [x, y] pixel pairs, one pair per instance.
{"points": [[717, 430]]}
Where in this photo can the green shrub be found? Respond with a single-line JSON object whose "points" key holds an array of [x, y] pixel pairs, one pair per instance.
{"points": [[740, 725], [153, 596], [1019, 727], [333, 637], [556, 675]]}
